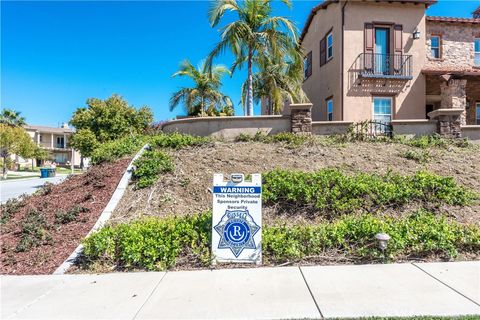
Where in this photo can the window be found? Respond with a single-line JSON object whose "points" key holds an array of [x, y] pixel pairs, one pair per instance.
{"points": [[307, 65], [477, 52], [40, 138], [435, 47], [330, 109], [382, 109], [60, 142], [478, 113], [329, 46]]}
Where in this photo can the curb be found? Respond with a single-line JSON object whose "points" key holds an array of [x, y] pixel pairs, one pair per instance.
{"points": [[106, 213]]}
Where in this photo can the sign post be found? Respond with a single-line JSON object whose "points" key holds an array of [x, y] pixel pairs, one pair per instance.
{"points": [[237, 219]]}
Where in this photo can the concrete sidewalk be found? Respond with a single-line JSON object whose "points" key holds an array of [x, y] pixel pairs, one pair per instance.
{"points": [[444, 289]]}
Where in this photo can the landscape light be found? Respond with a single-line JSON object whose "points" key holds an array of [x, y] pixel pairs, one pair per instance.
{"points": [[382, 239]]}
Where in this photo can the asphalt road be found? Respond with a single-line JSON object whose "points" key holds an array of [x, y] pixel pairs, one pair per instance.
{"points": [[14, 188]]}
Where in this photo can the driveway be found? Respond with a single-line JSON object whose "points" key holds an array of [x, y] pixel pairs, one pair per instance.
{"points": [[14, 188]]}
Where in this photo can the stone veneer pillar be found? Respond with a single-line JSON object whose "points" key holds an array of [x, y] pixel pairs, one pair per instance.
{"points": [[301, 118], [449, 122], [454, 96]]}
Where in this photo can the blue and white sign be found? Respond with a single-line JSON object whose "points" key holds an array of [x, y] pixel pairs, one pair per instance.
{"points": [[237, 219]]}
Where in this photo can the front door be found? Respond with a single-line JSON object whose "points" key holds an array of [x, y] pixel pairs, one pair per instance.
{"points": [[382, 50]]}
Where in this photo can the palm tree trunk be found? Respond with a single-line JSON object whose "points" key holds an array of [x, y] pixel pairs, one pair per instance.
{"points": [[4, 171], [250, 85], [202, 106]]}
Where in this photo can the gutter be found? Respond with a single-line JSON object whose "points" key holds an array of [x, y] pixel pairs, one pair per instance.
{"points": [[343, 59]]}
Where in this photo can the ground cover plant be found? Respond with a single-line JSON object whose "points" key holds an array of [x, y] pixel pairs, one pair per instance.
{"points": [[40, 231], [116, 149], [163, 243], [332, 192], [149, 166]]}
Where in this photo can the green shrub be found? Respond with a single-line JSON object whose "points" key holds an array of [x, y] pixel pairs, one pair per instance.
{"points": [[34, 231], [420, 156], [288, 138], [418, 234], [149, 166], [152, 244], [116, 149], [177, 140], [331, 191], [64, 217], [158, 244], [9, 208]]}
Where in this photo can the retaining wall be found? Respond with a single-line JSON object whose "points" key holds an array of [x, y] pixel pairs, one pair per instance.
{"points": [[472, 133]]}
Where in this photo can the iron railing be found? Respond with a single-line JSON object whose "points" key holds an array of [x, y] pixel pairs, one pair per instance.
{"points": [[376, 65], [372, 129]]}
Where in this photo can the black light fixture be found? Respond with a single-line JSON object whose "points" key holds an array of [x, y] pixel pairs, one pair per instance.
{"points": [[416, 34]]}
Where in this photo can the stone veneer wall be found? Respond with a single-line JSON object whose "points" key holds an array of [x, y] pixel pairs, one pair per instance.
{"points": [[457, 44], [301, 118]]}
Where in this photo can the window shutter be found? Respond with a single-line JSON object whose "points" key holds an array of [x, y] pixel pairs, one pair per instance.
{"points": [[398, 46], [369, 49], [309, 59], [323, 51]]}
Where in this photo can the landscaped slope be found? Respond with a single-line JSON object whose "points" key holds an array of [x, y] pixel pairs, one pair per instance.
{"points": [[40, 232], [186, 189]]}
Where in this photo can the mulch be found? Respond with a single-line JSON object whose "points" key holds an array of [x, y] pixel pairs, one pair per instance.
{"points": [[89, 192]]}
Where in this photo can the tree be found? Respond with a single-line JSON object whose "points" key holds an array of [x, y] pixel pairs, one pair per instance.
{"points": [[15, 140], [107, 120], [85, 141], [278, 80], [254, 32], [12, 118], [204, 97]]}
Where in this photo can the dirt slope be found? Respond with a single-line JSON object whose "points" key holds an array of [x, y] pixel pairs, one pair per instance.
{"points": [[186, 190]]}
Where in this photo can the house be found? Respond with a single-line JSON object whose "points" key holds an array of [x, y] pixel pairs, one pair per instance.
{"points": [[55, 141], [387, 61]]}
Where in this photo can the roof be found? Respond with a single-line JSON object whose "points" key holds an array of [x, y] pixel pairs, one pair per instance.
{"points": [[324, 4], [49, 129], [454, 20]]}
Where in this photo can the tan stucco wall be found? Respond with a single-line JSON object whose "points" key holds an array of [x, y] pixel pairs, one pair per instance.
{"points": [[229, 127], [472, 133], [457, 45], [324, 81], [326, 128], [414, 128], [409, 96]]}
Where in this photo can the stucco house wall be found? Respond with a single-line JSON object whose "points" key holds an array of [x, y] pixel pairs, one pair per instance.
{"points": [[408, 96], [325, 80]]}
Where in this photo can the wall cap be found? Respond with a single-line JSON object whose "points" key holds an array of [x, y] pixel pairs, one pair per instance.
{"points": [[446, 112], [471, 127], [408, 121], [200, 119], [300, 106], [320, 123]]}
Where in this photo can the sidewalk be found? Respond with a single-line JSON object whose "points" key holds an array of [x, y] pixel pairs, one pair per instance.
{"points": [[443, 289]]}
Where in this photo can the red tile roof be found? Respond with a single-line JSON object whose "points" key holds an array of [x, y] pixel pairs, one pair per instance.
{"points": [[324, 4], [454, 20]]}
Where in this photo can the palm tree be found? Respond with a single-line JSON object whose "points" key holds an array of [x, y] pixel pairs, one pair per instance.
{"points": [[254, 32], [204, 97], [12, 118], [279, 80]]}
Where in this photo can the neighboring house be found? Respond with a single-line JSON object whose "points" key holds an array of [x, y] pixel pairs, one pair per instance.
{"points": [[386, 60], [55, 140]]}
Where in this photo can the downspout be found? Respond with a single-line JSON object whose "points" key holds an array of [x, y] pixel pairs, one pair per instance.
{"points": [[343, 58]]}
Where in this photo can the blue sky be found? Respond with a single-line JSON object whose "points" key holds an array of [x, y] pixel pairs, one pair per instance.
{"points": [[55, 55]]}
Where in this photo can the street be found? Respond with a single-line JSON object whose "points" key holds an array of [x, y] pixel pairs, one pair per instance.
{"points": [[14, 188]]}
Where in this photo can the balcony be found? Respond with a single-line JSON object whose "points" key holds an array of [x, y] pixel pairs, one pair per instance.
{"points": [[384, 66]]}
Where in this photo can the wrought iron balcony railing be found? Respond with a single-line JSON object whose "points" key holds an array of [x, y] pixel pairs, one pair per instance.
{"points": [[384, 66]]}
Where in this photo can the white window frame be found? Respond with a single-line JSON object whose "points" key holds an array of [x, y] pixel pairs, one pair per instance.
{"points": [[329, 56], [381, 114], [477, 116], [438, 48], [476, 54], [329, 101]]}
